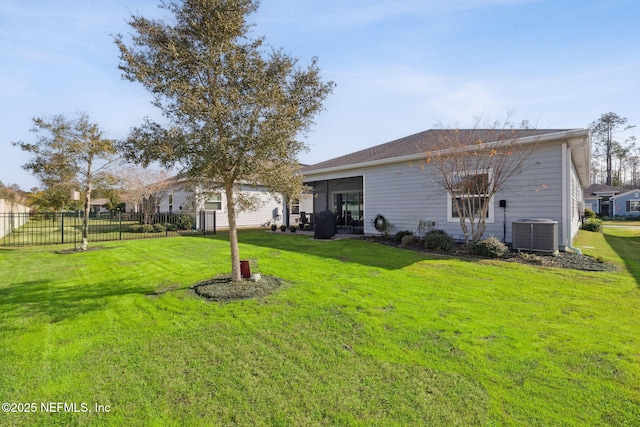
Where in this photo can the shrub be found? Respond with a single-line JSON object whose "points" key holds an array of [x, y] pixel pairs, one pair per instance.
{"points": [[592, 224], [185, 222], [135, 228], [283, 227], [490, 248], [588, 213], [438, 240], [274, 227], [147, 228], [159, 228], [409, 241], [171, 227], [400, 234], [293, 228], [425, 226]]}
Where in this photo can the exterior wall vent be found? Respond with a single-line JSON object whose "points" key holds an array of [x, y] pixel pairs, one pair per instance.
{"points": [[535, 235]]}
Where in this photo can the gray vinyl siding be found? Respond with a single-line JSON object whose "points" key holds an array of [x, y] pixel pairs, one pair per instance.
{"points": [[405, 194], [620, 203]]}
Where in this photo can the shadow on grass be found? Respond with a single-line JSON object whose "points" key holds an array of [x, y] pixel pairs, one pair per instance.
{"points": [[354, 250], [628, 249], [55, 302]]}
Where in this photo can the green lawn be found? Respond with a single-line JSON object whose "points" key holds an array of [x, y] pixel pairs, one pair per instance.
{"points": [[362, 334]]}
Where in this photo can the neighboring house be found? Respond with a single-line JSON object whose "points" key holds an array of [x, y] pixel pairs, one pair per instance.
{"points": [[99, 205], [597, 197], [271, 210], [626, 204], [386, 180]]}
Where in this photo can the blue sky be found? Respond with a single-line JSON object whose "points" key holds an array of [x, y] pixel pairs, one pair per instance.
{"points": [[400, 66]]}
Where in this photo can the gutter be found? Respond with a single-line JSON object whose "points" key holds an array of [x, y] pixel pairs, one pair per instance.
{"points": [[566, 214]]}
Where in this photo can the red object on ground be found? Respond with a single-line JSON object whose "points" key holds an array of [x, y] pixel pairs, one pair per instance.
{"points": [[245, 271]]}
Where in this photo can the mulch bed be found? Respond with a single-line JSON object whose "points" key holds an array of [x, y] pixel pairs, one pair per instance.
{"points": [[79, 249], [224, 289], [560, 259]]}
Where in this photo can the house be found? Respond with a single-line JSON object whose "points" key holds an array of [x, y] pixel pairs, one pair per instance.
{"points": [[385, 180], [180, 197], [597, 197], [626, 204]]}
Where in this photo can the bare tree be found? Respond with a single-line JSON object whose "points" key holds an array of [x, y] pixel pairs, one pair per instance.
{"points": [[12, 194], [472, 165], [144, 189]]}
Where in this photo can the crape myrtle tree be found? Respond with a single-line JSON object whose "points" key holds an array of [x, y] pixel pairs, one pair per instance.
{"points": [[69, 155], [234, 107], [144, 189], [472, 165]]}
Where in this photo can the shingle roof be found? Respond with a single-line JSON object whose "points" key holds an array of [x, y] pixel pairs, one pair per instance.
{"points": [[593, 189], [429, 140]]}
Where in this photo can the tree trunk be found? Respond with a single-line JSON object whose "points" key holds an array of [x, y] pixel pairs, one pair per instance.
{"points": [[233, 233], [85, 218]]}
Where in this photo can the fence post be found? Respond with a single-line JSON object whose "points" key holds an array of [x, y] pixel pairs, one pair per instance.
{"points": [[120, 225], [62, 223], [214, 223]]}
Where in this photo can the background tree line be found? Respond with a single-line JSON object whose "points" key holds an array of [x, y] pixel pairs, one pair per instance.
{"points": [[616, 156]]}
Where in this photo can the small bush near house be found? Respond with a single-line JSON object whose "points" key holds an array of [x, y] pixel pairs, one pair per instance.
{"points": [[593, 224], [490, 248], [147, 228], [185, 222], [410, 241], [171, 227], [438, 240], [400, 235], [159, 228], [135, 228], [274, 227], [283, 227], [293, 228], [588, 213]]}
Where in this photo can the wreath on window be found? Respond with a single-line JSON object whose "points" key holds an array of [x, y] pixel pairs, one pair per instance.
{"points": [[380, 223]]}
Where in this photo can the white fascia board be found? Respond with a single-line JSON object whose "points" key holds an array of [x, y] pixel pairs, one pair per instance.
{"points": [[565, 135], [617, 196]]}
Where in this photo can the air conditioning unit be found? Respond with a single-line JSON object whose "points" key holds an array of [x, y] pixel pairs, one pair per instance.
{"points": [[535, 235]]}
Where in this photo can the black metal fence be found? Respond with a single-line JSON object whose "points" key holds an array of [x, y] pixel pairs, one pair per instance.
{"points": [[50, 228]]}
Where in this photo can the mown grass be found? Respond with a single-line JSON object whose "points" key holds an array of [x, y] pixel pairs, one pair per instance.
{"points": [[362, 334]]}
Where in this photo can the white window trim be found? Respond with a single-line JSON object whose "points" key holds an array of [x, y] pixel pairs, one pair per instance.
{"points": [[208, 200], [631, 201], [488, 220]]}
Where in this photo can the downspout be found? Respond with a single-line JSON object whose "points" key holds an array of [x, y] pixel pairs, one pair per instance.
{"points": [[567, 187]]}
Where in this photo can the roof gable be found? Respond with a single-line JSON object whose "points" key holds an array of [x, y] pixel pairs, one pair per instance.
{"points": [[627, 193]]}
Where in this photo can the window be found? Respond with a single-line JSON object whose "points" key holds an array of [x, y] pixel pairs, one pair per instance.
{"points": [[295, 207], [634, 206], [214, 203], [472, 192]]}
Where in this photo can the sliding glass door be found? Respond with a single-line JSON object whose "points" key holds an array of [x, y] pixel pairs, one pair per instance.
{"points": [[348, 207]]}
